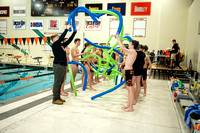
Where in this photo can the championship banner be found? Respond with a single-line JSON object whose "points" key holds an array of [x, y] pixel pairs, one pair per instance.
{"points": [[36, 24], [93, 7], [121, 7], [19, 24], [4, 11], [3, 26], [90, 25], [53, 24], [114, 24], [76, 22], [19, 11], [141, 8], [139, 27]]}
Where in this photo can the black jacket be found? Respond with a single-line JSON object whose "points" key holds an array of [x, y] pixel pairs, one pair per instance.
{"points": [[59, 53]]}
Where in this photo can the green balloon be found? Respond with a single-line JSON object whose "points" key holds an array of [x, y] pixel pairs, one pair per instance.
{"points": [[99, 61], [72, 79], [108, 59], [88, 50]]}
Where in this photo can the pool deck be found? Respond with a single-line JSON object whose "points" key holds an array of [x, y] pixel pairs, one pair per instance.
{"points": [[153, 113]]}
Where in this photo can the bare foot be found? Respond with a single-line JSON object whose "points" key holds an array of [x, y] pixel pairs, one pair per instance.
{"points": [[124, 107], [94, 83], [145, 95], [64, 93], [128, 110], [98, 82], [92, 89], [124, 87], [134, 102], [105, 79]]}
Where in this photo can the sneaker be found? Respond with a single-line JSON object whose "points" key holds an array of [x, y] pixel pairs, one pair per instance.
{"points": [[62, 100], [59, 102]]}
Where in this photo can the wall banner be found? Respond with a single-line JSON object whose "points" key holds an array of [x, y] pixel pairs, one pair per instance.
{"points": [[114, 24], [4, 11], [121, 7], [139, 27], [19, 11], [141, 8], [53, 24], [90, 25], [3, 26], [19, 24], [93, 7], [76, 22], [36, 24]]}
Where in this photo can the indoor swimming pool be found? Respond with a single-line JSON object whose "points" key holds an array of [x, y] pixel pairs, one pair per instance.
{"points": [[19, 81]]}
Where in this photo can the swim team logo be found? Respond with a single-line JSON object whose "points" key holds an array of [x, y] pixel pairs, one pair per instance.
{"points": [[53, 24], [19, 24], [36, 24]]}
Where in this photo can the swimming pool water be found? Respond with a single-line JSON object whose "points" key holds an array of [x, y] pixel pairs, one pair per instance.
{"points": [[14, 70], [21, 87], [23, 74]]}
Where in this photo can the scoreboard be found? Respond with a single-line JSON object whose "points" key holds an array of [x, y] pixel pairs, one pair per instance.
{"points": [[52, 7]]}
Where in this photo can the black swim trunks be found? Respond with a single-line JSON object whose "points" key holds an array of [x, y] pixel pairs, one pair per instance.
{"points": [[129, 76], [139, 63], [122, 66], [84, 63], [144, 74]]}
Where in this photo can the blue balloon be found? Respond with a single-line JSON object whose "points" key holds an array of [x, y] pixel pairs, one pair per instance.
{"points": [[128, 37], [86, 76], [102, 71], [96, 68], [110, 68], [77, 10], [121, 79], [120, 18], [108, 91], [105, 47]]}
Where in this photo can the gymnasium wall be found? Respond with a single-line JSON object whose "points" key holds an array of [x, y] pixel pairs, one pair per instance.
{"points": [[192, 36], [168, 20]]}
